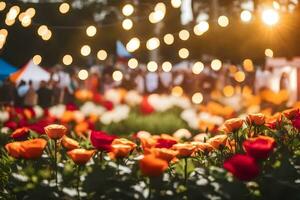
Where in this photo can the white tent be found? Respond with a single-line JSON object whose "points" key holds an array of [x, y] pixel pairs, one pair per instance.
{"points": [[31, 72]]}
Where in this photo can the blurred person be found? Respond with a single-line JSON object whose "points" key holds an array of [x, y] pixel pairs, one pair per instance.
{"points": [[166, 79], [21, 91], [31, 96], [152, 82], [140, 81], [45, 95], [8, 89]]}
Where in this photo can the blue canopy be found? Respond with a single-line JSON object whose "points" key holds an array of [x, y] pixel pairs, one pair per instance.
{"points": [[121, 50], [6, 69]]}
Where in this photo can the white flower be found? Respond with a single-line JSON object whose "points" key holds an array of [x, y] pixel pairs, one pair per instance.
{"points": [[213, 119], [89, 108], [190, 117], [57, 111], [79, 116], [181, 102], [133, 98], [4, 116], [5, 130], [39, 112], [116, 115], [182, 134], [113, 96], [160, 103], [143, 134]]}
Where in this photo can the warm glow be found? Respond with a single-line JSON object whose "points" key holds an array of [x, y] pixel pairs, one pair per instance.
{"points": [[246, 16], [152, 66], [169, 39], [197, 67], [232, 69], [13, 13], [37, 59], [201, 28], [197, 98], [30, 12], [26, 21], [2, 5], [127, 10], [133, 44], [269, 53], [248, 65], [3, 36], [64, 8], [42, 30], [177, 91], [47, 36], [127, 24], [276, 5], [216, 64], [167, 66], [270, 17], [223, 21], [157, 16], [176, 3], [184, 35], [133, 63], [91, 31], [85, 50], [239, 76], [67, 60], [183, 53], [117, 75], [152, 43], [228, 91], [102, 54], [83, 74]]}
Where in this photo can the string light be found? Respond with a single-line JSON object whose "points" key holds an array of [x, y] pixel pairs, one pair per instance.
{"points": [[83, 74], [228, 91], [102, 55], [167, 66], [91, 31], [183, 53], [152, 66], [169, 39], [269, 53], [64, 8], [177, 91], [42, 30], [31, 12], [85, 50], [47, 36], [223, 21], [197, 98], [37, 59], [248, 65], [152, 43], [117, 75], [184, 35], [127, 24], [127, 10], [2, 5], [67, 60], [197, 67], [239, 76], [201, 28], [176, 3], [12, 15], [216, 64], [246, 16], [270, 17], [133, 63], [133, 44], [3, 36]]}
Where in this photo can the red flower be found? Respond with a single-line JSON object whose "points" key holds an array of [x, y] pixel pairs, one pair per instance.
{"points": [[20, 133], [243, 167], [71, 107], [146, 108], [101, 140], [165, 143], [11, 124], [259, 147], [296, 123], [108, 105]]}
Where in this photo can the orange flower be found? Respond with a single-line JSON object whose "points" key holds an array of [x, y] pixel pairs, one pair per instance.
{"points": [[201, 146], [184, 149], [83, 95], [14, 149], [69, 143], [152, 166], [217, 141], [32, 149], [81, 128], [20, 133], [147, 143], [256, 119], [119, 151], [201, 137], [80, 156], [291, 113], [67, 117], [124, 141], [55, 131], [164, 153], [233, 124]]}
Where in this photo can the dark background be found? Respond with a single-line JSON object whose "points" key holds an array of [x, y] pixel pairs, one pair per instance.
{"points": [[233, 43]]}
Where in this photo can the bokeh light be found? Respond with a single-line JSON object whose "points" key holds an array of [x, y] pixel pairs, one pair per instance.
{"points": [[197, 67], [64, 8], [91, 31], [67, 59], [177, 91], [246, 16], [269, 53], [197, 98], [169, 39], [248, 65], [152, 66], [127, 10], [201, 28], [133, 63], [133, 44], [223, 21], [85, 50], [239, 76], [166, 66], [184, 35], [37, 59], [228, 91], [216, 64], [2, 5], [102, 54], [83, 74], [183, 53], [117, 75], [127, 24], [152, 43], [270, 17], [176, 3]]}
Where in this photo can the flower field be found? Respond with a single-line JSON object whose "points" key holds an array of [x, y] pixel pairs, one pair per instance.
{"points": [[125, 146]]}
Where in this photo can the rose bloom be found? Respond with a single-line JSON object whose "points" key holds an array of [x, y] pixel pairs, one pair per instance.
{"points": [[29, 149], [273, 120], [233, 124], [243, 167], [256, 119], [20, 133], [152, 166], [147, 143], [101, 140], [217, 141], [202, 146], [55, 131], [120, 151], [296, 123], [291, 113], [165, 143], [69, 143], [145, 107], [80, 156], [259, 147], [201, 137], [184, 149], [124, 142], [14, 149], [164, 154]]}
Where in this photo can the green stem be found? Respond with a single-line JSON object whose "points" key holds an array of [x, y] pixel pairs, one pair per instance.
{"points": [[78, 182], [185, 170], [150, 189], [55, 163]]}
